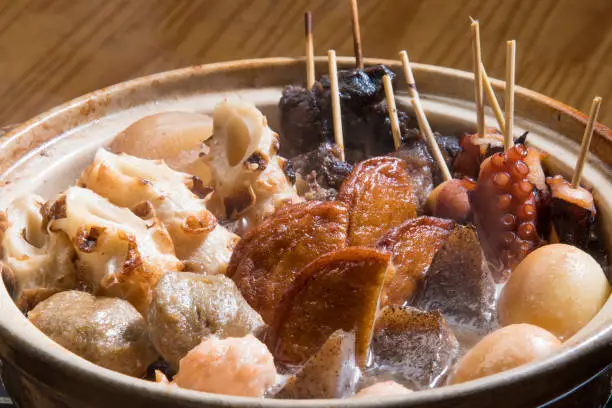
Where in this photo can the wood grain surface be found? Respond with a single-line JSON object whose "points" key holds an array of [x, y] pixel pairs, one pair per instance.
{"points": [[54, 50]]}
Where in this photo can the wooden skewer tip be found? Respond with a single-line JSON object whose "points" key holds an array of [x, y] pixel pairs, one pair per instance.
{"points": [[392, 111], [356, 34], [509, 104], [335, 97], [310, 67], [586, 141], [478, 88]]}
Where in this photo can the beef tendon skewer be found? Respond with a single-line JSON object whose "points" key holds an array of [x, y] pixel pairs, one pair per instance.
{"points": [[310, 65], [335, 97], [356, 34], [504, 201], [572, 208], [392, 109], [450, 198]]}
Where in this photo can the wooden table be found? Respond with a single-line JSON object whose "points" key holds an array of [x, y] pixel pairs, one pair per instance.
{"points": [[54, 50]]}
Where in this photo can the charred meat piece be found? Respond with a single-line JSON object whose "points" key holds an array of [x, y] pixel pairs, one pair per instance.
{"points": [[572, 212], [380, 195], [266, 261], [413, 245], [412, 347], [189, 307], [460, 286], [330, 373], [340, 290], [505, 208], [106, 331], [306, 115], [320, 172]]}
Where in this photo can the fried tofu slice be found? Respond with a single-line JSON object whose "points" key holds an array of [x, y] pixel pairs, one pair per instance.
{"points": [[380, 195], [268, 258], [340, 290], [413, 245]]}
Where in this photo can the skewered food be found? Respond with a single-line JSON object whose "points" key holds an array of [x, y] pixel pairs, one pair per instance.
{"points": [[188, 307], [36, 263], [572, 212], [152, 189], [451, 200], [339, 290], [413, 347], [240, 366], [413, 245], [331, 372], [306, 115], [117, 253], [557, 287], [506, 209], [504, 349], [105, 331], [269, 258], [379, 195]]}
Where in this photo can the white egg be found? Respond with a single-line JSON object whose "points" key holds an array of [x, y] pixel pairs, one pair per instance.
{"points": [[504, 349], [557, 287]]}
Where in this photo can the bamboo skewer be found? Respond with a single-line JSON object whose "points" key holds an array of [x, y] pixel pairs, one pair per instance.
{"points": [[488, 88], [422, 118], [478, 91], [335, 97], [356, 35], [586, 141], [392, 110], [310, 66], [509, 103]]}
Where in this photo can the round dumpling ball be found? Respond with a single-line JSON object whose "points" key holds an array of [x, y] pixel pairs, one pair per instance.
{"points": [[188, 307], [504, 349], [232, 366], [557, 287], [382, 389], [106, 331]]}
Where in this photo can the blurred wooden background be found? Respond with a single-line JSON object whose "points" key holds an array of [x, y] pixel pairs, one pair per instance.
{"points": [[54, 50]]}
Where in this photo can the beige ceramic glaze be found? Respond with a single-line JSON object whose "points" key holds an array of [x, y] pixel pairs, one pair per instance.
{"points": [[47, 153]]}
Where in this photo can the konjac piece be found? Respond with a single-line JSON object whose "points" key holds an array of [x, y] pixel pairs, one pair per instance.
{"points": [[413, 347], [151, 188], [380, 195], [340, 290], [331, 372], [460, 286], [188, 307], [413, 245], [118, 254], [36, 263], [106, 331], [268, 258]]}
